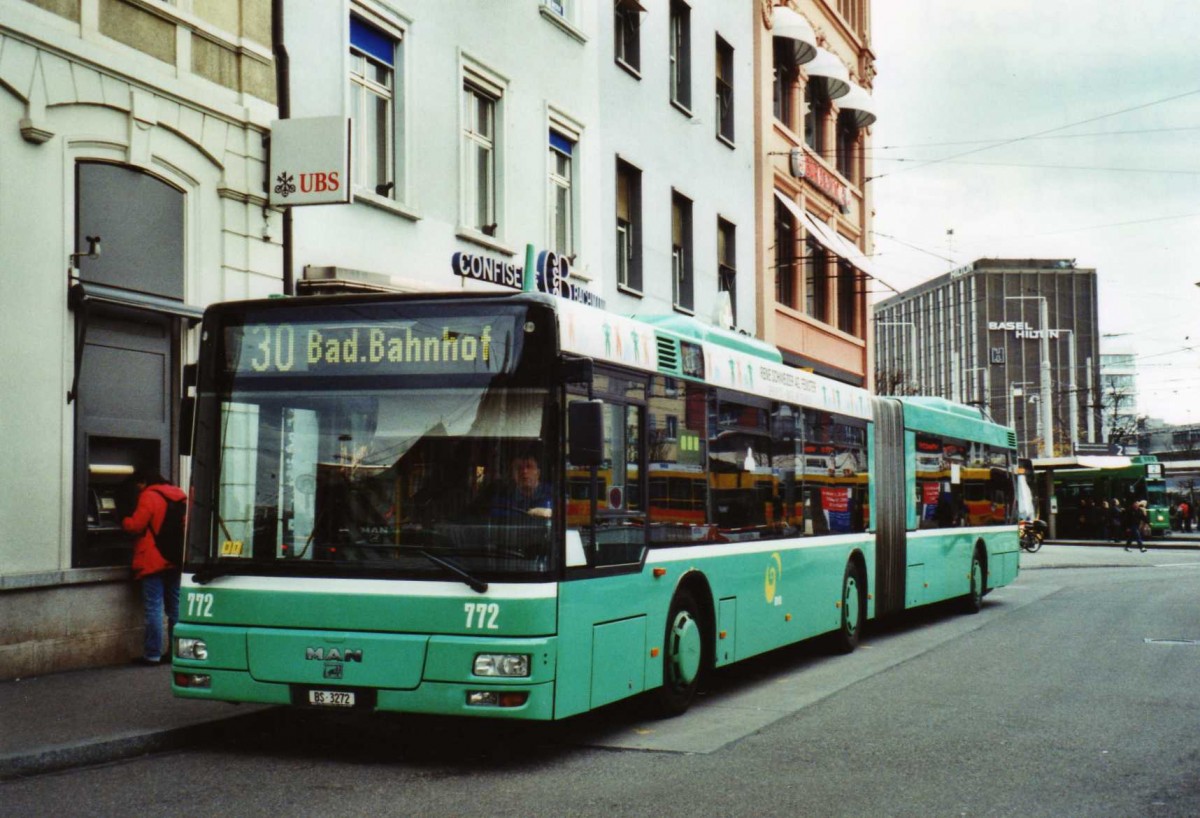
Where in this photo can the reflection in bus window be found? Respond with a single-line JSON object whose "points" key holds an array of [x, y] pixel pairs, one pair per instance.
{"points": [[604, 506], [961, 484]]}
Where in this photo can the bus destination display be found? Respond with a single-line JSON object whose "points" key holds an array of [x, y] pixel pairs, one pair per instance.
{"points": [[449, 345]]}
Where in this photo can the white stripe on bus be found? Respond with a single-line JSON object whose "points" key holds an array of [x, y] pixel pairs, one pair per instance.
{"points": [[374, 587]]}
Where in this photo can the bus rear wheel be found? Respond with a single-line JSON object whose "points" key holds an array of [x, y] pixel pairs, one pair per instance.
{"points": [[973, 601], [683, 655], [854, 610]]}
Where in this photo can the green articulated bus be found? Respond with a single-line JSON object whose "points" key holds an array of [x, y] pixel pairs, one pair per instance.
{"points": [[1082, 492], [520, 506]]}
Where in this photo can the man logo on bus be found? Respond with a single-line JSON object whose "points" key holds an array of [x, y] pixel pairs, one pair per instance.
{"points": [[774, 572]]}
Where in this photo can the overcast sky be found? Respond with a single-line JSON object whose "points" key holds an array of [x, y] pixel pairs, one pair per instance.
{"points": [[1099, 104]]}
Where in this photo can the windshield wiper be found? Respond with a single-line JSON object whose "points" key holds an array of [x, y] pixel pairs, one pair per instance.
{"points": [[477, 585], [210, 571]]}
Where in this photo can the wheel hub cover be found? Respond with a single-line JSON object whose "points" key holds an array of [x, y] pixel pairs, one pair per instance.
{"points": [[685, 655]]}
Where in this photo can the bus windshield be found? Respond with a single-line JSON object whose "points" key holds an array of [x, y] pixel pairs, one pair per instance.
{"points": [[369, 471]]}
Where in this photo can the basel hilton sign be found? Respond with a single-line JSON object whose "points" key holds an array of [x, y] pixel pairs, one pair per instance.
{"points": [[1021, 329]]}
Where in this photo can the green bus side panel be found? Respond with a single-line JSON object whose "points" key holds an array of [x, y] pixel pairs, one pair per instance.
{"points": [[618, 667], [914, 585], [726, 631], [587, 603], [763, 599]]}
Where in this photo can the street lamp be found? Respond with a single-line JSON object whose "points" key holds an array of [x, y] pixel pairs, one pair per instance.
{"points": [[1015, 390], [1073, 396], [1047, 407], [912, 341]]}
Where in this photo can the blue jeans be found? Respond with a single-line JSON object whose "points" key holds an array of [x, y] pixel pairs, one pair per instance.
{"points": [[159, 591], [1132, 533]]}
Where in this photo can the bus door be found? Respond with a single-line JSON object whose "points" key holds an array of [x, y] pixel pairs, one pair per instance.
{"points": [[606, 523]]}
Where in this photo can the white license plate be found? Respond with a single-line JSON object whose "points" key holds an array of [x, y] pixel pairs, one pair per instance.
{"points": [[330, 698]]}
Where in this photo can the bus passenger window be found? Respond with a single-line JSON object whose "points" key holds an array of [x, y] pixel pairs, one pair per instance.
{"points": [[604, 502]]}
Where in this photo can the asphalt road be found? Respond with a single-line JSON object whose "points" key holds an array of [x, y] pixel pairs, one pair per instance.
{"points": [[1073, 693]]}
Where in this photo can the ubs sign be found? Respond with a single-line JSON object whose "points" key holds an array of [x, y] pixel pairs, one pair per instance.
{"points": [[310, 161]]}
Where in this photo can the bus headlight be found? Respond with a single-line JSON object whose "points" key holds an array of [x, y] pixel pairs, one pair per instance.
{"points": [[501, 664], [190, 648]]}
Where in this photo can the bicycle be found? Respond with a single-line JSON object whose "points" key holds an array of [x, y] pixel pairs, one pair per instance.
{"points": [[1032, 534]]}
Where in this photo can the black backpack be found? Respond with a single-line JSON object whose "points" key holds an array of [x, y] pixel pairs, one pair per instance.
{"points": [[169, 538]]}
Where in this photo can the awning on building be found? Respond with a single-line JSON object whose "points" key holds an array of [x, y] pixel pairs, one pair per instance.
{"points": [[826, 67], [82, 293], [858, 103], [829, 238], [790, 25]]}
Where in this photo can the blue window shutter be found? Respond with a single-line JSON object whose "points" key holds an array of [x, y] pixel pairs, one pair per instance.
{"points": [[561, 143], [372, 41]]}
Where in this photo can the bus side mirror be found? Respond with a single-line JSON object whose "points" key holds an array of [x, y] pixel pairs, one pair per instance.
{"points": [[585, 438], [187, 416]]}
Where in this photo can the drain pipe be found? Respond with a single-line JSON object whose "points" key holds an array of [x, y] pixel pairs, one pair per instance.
{"points": [[283, 84]]}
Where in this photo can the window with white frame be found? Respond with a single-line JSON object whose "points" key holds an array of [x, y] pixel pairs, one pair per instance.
{"points": [[681, 54], [374, 57], [481, 103], [561, 193], [627, 34], [726, 262], [724, 102], [629, 227], [681, 252]]}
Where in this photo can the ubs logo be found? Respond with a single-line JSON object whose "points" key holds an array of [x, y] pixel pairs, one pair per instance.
{"points": [[285, 184]]}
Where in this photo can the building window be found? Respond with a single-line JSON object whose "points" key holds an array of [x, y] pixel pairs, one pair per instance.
{"points": [[629, 226], [816, 280], [480, 104], [681, 252], [816, 112], [854, 13], [786, 76], [847, 147], [627, 34], [724, 90], [726, 263], [373, 106], [681, 54], [847, 297], [785, 256], [562, 214]]}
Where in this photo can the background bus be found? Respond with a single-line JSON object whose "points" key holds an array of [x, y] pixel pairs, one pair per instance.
{"points": [[1081, 494], [347, 547]]}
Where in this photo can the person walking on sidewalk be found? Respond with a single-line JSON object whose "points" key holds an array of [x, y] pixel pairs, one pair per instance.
{"points": [[158, 575], [1135, 516]]}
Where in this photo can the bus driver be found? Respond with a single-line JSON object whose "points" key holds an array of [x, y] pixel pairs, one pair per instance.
{"points": [[525, 493]]}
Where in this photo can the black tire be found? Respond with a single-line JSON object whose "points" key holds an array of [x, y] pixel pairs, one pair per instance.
{"points": [[973, 601], [683, 656], [853, 608], [1035, 542]]}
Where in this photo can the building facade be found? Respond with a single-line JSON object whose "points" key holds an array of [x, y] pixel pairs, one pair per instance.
{"points": [[993, 334], [617, 135], [1119, 419], [132, 170], [814, 71]]}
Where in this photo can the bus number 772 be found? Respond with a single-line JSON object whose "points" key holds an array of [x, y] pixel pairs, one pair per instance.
{"points": [[482, 615]]}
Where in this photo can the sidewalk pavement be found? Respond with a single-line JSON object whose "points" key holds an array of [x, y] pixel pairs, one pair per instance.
{"points": [[82, 717]]}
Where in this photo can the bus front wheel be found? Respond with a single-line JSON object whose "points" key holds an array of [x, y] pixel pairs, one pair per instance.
{"points": [[683, 654]]}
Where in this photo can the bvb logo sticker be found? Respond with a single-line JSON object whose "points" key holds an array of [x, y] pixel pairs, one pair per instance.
{"points": [[774, 572]]}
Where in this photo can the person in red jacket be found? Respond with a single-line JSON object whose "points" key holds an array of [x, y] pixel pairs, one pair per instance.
{"points": [[160, 579]]}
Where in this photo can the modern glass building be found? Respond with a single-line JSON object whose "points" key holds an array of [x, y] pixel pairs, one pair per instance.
{"points": [[980, 334]]}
